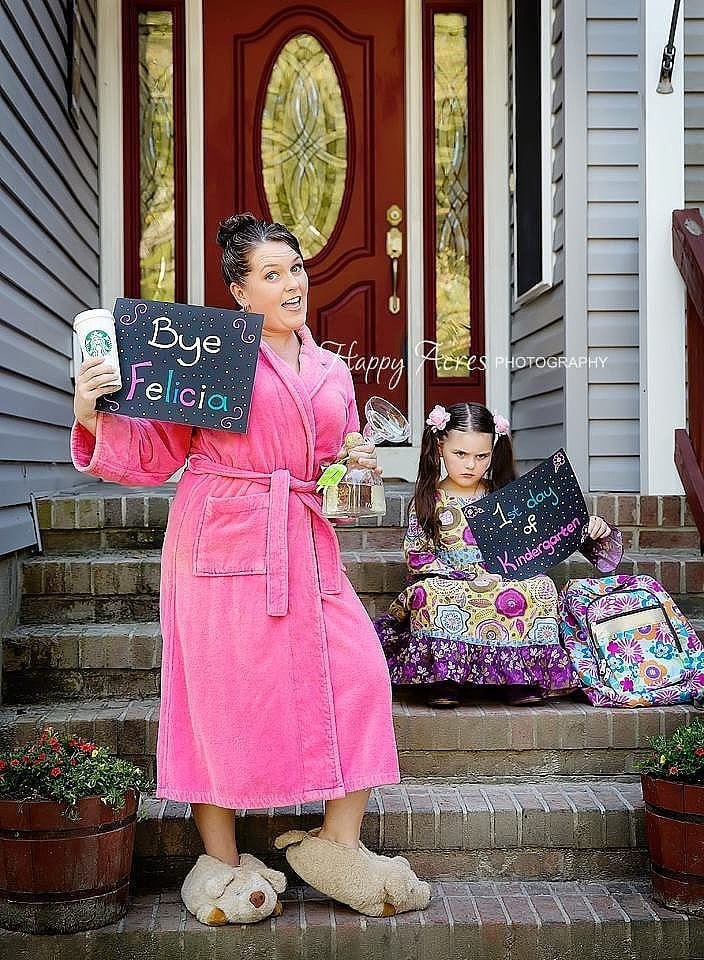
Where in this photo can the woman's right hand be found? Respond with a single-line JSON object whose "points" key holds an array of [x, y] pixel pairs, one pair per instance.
{"points": [[95, 379]]}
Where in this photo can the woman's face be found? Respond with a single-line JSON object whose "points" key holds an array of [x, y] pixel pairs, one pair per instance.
{"points": [[467, 456], [276, 285]]}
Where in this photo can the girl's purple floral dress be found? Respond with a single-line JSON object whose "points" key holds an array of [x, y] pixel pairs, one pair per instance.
{"points": [[455, 621]]}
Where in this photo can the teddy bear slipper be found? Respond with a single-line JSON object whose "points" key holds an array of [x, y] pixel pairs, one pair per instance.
{"points": [[217, 893], [375, 885]]}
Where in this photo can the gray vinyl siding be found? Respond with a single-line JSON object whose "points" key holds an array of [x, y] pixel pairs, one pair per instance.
{"points": [[49, 249], [613, 192], [694, 103], [538, 326]]}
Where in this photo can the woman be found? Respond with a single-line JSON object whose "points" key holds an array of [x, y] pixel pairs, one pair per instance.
{"points": [[274, 686]]}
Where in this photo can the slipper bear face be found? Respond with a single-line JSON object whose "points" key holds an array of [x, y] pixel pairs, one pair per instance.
{"points": [[217, 893], [247, 898]]}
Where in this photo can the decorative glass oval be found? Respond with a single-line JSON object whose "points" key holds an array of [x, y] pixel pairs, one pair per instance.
{"points": [[304, 142]]}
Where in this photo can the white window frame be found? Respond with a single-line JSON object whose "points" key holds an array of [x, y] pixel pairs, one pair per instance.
{"points": [[546, 156]]}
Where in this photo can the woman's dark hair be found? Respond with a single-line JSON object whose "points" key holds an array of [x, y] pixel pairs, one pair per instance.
{"points": [[240, 235], [470, 418]]}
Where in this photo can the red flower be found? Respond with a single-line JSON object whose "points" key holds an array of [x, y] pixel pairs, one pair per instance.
{"points": [[674, 771], [74, 762], [3, 764], [699, 751], [56, 771], [41, 756], [14, 763]]}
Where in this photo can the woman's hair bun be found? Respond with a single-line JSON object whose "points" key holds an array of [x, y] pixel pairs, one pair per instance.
{"points": [[228, 229]]}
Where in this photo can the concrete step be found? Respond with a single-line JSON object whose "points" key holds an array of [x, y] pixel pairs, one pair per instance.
{"points": [[485, 920], [106, 516], [124, 585], [44, 662], [479, 741], [553, 830]]}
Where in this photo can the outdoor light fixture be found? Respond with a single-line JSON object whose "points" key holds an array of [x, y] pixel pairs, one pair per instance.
{"points": [[668, 55]]}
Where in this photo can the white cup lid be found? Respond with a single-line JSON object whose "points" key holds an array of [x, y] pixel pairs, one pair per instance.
{"points": [[99, 313]]}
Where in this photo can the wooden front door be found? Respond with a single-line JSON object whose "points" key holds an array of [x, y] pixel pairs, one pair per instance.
{"points": [[304, 123]]}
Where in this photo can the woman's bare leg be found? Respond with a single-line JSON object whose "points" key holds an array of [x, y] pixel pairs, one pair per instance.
{"points": [[216, 826], [343, 818]]}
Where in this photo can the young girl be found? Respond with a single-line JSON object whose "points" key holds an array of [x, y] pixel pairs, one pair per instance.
{"points": [[456, 623]]}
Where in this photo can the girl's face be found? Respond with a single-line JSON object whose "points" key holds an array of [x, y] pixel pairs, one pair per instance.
{"points": [[467, 456], [276, 285]]}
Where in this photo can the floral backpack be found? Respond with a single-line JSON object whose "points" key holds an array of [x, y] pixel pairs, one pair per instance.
{"points": [[629, 644]]}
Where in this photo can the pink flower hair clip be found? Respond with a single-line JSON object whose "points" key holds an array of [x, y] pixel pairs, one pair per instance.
{"points": [[501, 425], [438, 418]]}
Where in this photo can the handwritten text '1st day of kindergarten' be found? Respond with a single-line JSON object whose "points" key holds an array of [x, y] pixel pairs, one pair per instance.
{"points": [[529, 525]]}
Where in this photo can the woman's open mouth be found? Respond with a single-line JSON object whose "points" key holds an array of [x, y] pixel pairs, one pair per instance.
{"points": [[293, 303]]}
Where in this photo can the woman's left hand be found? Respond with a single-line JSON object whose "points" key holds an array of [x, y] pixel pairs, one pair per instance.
{"points": [[362, 456], [598, 528]]}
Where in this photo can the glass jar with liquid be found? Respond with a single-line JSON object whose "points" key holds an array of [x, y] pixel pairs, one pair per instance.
{"points": [[360, 492]]}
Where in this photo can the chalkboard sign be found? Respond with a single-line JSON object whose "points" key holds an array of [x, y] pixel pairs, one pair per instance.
{"points": [[185, 364], [531, 524]]}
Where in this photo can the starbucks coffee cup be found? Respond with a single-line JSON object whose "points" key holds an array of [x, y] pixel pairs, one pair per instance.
{"points": [[95, 330]]}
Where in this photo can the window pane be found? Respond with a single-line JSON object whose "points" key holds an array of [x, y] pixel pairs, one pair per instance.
{"points": [[156, 157], [452, 295], [304, 143]]}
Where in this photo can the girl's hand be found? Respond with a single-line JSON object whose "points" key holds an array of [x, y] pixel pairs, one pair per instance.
{"points": [[92, 382], [598, 528], [362, 456]]}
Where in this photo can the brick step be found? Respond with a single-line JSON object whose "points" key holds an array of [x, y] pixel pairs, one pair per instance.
{"points": [[107, 539], [553, 830], [486, 920], [111, 517], [114, 587], [479, 741], [44, 662]]}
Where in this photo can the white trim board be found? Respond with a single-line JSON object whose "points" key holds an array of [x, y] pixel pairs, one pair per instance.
{"points": [[575, 250], [110, 151], [661, 290]]}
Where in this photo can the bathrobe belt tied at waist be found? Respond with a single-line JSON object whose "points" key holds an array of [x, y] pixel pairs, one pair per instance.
{"points": [[281, 487]]}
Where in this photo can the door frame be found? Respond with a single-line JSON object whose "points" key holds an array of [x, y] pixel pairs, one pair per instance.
{"points": [[399, 462]]}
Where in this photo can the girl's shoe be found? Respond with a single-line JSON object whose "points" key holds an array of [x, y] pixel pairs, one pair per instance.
{"points": [[558, 694], [443, 695], [521, 695]]}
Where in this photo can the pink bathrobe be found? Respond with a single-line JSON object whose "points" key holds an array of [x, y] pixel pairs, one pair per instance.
{"points": [[274, 687]]}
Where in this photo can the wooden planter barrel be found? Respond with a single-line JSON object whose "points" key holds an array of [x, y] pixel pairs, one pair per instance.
{"points": [[674, 822], [59, 875]]}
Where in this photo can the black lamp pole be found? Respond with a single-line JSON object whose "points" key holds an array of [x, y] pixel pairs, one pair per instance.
{"points": [[668, 55]]}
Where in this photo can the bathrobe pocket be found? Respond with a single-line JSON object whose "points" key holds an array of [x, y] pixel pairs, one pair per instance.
{"points": [[231, 537]]}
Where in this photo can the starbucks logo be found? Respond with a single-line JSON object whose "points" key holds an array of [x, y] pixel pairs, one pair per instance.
{"points": [[98, 343]]}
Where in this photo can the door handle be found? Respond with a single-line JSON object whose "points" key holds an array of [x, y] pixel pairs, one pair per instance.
{"points": [[394, 249]]}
